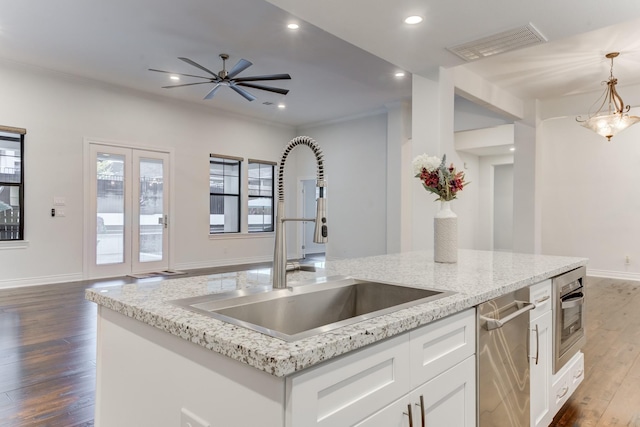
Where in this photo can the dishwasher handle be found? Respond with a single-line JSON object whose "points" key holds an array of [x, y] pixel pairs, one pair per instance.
{"points": [[499, 323]]}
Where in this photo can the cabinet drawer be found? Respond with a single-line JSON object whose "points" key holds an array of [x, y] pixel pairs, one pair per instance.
{"points": [[441, 345], [540, 295], [577, 371], [343, 392], [566, 380]]}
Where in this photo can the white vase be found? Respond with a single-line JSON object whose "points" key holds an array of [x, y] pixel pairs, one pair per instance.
{"points": [[445, 234]]}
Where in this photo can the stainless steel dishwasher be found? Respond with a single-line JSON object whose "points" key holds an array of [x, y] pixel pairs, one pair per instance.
{"points": [[503, 361]]}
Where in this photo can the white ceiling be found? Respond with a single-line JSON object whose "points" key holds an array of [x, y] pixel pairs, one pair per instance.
{"points": [[116, 41], [572, 61]]}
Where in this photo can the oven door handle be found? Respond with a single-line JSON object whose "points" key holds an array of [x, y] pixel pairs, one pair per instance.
{"points": [[573, 300], [499, 323]]}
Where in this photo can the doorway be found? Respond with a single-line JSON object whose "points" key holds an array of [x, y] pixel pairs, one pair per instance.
{"points": [[503, 207], [128, 211], [310, 194]]}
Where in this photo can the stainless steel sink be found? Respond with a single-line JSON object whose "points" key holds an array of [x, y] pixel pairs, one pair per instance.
{"points": [[308, 309]]}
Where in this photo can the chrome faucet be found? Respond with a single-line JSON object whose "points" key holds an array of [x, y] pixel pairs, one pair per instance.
{"points": [[279, 276]]}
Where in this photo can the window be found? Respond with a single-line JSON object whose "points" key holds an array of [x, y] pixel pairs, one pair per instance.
{"points": [[224, 194], [11, 183], [260, 215]]}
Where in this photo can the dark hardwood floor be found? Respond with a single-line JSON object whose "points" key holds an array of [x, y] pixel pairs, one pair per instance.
{"points": [[47, 356]]}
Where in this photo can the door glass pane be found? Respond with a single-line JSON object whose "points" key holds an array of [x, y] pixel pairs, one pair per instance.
{"points": [[110, 209], [151, 210]]}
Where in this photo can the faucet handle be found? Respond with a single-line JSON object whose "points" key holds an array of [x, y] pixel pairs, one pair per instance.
{"points": [[321, 232]]}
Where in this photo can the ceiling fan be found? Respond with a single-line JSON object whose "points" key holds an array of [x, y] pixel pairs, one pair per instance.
{"points": [[228, 78]]}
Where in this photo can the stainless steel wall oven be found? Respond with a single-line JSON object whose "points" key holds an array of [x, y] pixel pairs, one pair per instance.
{"points": [[569, 293]]}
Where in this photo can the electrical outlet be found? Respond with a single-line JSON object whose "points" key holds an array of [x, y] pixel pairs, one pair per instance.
{"points": [[189, 419], [627, 260]]}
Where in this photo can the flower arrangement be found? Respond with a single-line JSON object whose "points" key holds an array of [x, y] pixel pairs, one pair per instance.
{"points": [[437, 178]]}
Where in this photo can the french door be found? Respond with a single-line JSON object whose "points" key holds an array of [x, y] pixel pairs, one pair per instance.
{"points": [[129, 208]]}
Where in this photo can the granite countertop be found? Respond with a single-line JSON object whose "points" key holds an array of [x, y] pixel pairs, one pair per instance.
{"points": [[477, 277]]}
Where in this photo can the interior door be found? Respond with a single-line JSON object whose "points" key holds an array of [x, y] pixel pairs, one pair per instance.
{"points": [[129, 211]]}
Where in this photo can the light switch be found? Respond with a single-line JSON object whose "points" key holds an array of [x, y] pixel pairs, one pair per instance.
{"points": [[59, 201]]}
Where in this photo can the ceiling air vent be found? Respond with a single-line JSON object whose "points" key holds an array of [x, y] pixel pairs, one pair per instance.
{"points": [[267, 103], [499, 43]]}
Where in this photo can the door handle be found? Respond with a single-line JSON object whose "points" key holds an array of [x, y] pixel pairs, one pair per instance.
{"points": [[575, 300], [408, 413], [537, 344], [499, 323], [423, 414], [166, 221]]}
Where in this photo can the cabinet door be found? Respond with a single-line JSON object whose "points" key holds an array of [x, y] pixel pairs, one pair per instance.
{"points": [[449, 399], [350, 388], [394, 415], [541, 342]]}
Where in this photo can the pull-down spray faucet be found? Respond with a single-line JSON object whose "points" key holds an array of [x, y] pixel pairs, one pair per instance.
{"points": [[279, 277]]}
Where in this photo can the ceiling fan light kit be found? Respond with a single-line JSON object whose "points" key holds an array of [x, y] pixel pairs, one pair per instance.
{"points": [[613, 119], [229, 79]]}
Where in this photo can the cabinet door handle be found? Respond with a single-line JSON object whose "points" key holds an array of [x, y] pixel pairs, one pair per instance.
{"points": [[537, 344], [423, 414], [408, 413], [563, 392], [543, 299], [578, 373]]}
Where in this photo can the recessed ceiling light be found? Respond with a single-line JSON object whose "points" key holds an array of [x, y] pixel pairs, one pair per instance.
{"points": [[414, 19], [512, 149], [282, 106], [293, 26], [399, 74], [174, 77]]}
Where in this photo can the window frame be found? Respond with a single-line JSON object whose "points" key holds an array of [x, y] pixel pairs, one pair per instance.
{"points": [[272, 197], [19, 137], [227, 160]]}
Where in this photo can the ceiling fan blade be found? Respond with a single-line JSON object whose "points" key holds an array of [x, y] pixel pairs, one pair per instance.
{"points": [[240, 66], [179, 74], [267, 77], [243, 92], [195, 64], [212, 91], [186, 84], [267, 88]]}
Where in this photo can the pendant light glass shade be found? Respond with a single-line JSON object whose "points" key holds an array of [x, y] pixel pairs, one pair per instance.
{"points": [[612, 119], [610, 124]]}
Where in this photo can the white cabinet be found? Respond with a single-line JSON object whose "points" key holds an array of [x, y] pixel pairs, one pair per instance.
{"points": [[373, 387], [541, 353], [566, 380], [540, 368], [446, 400]]}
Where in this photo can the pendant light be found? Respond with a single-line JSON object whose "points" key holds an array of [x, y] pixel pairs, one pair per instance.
{"points": [[612, 119]]}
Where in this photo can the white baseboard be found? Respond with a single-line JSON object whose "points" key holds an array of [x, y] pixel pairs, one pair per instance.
{"points": [[42, 280], [624, 275], [221, 262]]}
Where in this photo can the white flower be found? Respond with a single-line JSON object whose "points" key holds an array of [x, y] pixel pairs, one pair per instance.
{"points": [[430, 163]]}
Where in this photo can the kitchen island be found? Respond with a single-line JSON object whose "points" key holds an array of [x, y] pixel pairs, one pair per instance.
{"points": [[156, 360]]}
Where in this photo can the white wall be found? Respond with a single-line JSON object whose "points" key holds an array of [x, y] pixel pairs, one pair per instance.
{"points": [[526, 227], [590, 198], [59, 111], [356, 164], [486, 194], [503, 207]]}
